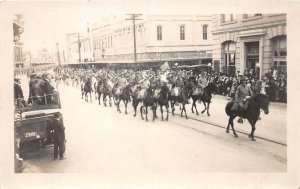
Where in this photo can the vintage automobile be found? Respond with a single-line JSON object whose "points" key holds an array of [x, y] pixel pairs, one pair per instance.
{"points": [[32, 123]]}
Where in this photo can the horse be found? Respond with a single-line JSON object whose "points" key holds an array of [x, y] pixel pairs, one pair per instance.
{"points": [[106, 91], [85, 89], [99, 91], [251, 113], [183, 98], [124, 96], [148, 100], [205, 97], [163, 100]]}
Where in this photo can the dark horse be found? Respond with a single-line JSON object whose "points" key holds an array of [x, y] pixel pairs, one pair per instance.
{"points": [[124, 96], [105, 90], [205, 97], [251, 113], [163, 100], [183, 97], [85, 89], [149, 100]]}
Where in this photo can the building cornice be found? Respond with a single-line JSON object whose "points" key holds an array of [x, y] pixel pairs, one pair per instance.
{"points": [[242, 28]]}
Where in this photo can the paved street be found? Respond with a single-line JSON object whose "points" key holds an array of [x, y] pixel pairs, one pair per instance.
{"points": [[99, 139]]}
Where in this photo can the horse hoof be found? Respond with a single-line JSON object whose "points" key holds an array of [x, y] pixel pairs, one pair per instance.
{"points": [[134, 115], [253, 139], [167, 119], [197, 113], [249, 136], [162, 119], [236, 135], [227, 131], [125, 112], [202, 112], [142, 118], [146, 120], [208, 114], [186, 118]]}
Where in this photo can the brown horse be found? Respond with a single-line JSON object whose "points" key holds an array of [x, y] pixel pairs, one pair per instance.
{"points": [[251, 113]]}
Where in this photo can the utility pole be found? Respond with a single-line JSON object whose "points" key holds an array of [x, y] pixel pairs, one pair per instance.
{"points": [[79, 46], [134, 17], [58, 55]]}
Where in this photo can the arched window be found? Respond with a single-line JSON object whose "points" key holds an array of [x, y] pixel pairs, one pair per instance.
{"points": [[182, 32], [229, 49]]}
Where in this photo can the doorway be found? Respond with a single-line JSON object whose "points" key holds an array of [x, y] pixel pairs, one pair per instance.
{"points": [[252, 54]]}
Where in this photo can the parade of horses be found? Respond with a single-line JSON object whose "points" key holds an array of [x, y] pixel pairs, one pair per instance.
{"points": [[149, 91]]}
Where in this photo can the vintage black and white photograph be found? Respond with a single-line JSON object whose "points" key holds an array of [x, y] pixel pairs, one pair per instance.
{"points": [[111, 90], [162, 92]]}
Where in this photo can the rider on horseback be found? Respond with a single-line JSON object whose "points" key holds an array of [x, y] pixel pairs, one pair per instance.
{"points": [[145, 84], [122, 82], [202, 82], [242, 94]]}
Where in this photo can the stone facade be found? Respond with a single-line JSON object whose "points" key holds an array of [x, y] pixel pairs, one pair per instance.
{"points": [[244, 42]]}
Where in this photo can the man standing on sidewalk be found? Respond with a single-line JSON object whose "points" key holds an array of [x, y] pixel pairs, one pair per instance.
{"points": [[59, 137]]}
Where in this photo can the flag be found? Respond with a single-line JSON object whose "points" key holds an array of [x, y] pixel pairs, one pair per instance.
{"points": [[165, 66]]}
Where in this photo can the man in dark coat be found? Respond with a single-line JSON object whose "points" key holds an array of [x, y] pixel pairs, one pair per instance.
{"points": [[19, 98], [59, 137], [48, 89]]}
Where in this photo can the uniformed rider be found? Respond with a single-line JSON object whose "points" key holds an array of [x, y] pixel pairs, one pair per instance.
{"points": [[242, 94]]}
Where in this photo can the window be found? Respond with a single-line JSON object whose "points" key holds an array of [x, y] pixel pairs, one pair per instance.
{"points": [[204, 32], [159, 33], [228, 17], [229, 49], [279, 53], [182, 32]]}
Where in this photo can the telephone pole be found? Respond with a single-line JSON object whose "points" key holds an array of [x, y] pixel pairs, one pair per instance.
{"points": [[79, 46], [134, 17]]}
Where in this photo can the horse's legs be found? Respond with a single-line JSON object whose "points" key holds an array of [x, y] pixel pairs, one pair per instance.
{"points": [[183, 107], [146, 113], [181, 112], [91, 96], [252, 122], [135, 104], [99, 98], [231, 122], [208, 109], [154, 112], [193, 106], [167, 107], [204, 107], [141, 110], [109, 100], [125, 102], [104, 99], [162, 114], [196, 107]]}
